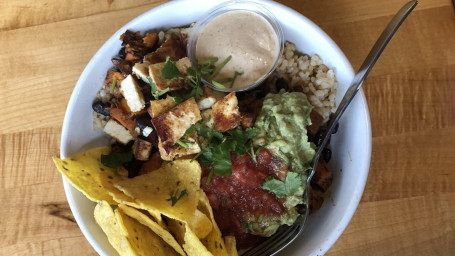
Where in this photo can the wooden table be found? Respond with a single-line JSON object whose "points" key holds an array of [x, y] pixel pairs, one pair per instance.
{"points": [[408, 207]]}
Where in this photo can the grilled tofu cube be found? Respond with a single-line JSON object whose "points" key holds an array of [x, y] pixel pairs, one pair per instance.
{"points": [[172, 125], [131, 91], [225, 113], [118, 132], [142, 149], [158, 107], [141, 70], [123, 104], [183, 64], [160, 82], [177, 151]]}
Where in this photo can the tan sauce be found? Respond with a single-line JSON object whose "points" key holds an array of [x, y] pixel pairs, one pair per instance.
{"points": [[248, 38]]}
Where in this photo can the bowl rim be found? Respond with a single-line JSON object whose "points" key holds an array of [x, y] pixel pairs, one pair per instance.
{"points": [[78, 89]]}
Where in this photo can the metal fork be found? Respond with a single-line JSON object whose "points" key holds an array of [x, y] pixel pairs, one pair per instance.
{"points": [[285, 235]]}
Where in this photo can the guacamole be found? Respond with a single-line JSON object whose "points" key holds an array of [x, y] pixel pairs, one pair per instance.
{"points": [[282, 129], [282, 124]]}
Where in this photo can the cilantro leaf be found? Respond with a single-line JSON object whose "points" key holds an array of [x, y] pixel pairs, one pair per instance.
{"points": [[282, 189], [182, 144], [175, 198], [220, 67], [216, 154], [170, 70], [116, 159], [114, 83], [155, 93], [218, 84]]}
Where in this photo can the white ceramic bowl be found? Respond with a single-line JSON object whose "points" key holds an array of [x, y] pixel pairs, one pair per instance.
{"points": [[351, 145]]}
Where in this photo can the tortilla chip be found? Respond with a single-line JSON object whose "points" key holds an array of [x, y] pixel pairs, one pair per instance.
{"points": [[156, 190], [105, 217], [177, 228], [214, 241], [86, 173], [142, 239], [121, 198], [155, 227], [231, 246], [192, 245], [184, 232], [200, 224]]}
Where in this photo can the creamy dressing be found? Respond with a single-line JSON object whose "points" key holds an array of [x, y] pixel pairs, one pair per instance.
{"points": [[248, 38]]}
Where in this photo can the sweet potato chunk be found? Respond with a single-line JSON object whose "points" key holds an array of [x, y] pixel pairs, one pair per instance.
{"points": [[322, 177]]}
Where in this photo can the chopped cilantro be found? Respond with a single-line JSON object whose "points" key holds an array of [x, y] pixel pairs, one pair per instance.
{"points": [[195, 88], [236, 74], [216, 154], [116, 159], [182, 144], [209, 178], [282, 189], [254, 154], [170, 70], [114, 83], [218, 68], [218, 84], [155, 93], [175, 197], [261, 218]]}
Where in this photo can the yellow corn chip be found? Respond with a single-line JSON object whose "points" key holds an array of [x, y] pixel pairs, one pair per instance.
{"points": [[192, 245], [141, 238], [121, 198], [172, 190], [155, 227], [214, 241], [231, 246], [200, 224], [105, 217], [86, 173], [177, 228]]}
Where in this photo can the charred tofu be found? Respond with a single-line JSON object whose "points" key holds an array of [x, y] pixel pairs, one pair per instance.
{"points": [[172, 125], [131, 91], [118, 132], [161, 83], [225, 113], [158, 107], [142, 149], [177, 151], [141, 70], [183, 64]]}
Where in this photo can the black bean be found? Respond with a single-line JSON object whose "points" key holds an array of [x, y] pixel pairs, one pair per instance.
{"points": [[101, 108], [133, 167], [300, 208], [121, 53], [326, 154], [143, 121], [311, 137], [281, 84]]}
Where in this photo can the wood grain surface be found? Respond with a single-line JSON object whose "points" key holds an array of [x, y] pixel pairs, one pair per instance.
{"points": [[408, 207]]}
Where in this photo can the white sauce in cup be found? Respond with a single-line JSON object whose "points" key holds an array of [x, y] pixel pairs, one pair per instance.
{"points": [[246, 36]]}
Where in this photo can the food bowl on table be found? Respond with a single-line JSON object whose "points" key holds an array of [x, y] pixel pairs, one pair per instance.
{"points": [[351, 145]]}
